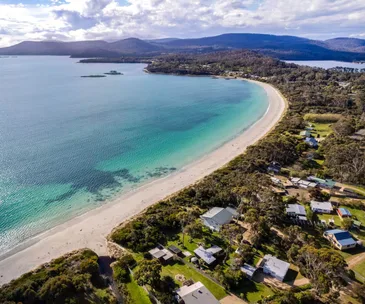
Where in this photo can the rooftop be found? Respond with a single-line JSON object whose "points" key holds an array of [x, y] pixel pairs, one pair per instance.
{"points": [[344, 212], [207, 255], [248, 269], [296, 208], [220, 215], [321, 205], [196, 294], [343, 237], [279, 267]]}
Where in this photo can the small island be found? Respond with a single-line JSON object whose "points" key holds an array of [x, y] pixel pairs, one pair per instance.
{"points": [[93, 76], [113, 73]]}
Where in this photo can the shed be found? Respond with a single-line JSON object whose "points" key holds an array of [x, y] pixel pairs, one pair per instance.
{"points": [[248, 270], [343, 212]]}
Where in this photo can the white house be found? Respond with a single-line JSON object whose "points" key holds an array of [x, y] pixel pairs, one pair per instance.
{"points": [[196, 294], [216, 217], [321, 207], [208, 255], [274, 267], [341, 239], [295, 210]]}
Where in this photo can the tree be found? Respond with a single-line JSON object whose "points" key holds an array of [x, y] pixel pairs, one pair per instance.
{"points": [[343, 127], [233, 278], [346, 223], [149, 272], [195, 229], [323, 267], [57, 290]]}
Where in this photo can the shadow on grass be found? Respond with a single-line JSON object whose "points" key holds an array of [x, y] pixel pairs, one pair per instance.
{"points": [[291, 275]]}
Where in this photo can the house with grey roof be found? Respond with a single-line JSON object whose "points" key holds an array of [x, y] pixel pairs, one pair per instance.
{"points": [[248, 270], [341, 239], [195, 294], [274, 267], [321, 207], [209, 256], [295, 210], [161, 254], [216, 217], [312, 142]]}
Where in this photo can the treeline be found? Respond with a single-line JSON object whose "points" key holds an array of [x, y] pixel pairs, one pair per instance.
{"points": [[72, 278]]}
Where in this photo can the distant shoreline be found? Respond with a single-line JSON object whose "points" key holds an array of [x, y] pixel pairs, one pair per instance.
{"points": [[90, 229]]}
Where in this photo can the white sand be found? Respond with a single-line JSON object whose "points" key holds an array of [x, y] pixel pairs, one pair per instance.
{"points": [[90, 229]]}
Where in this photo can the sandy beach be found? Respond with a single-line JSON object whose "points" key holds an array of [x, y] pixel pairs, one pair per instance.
{"points": [[90, 229]]}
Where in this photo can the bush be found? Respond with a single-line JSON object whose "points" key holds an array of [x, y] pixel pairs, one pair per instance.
{"points": [[322, 118]]}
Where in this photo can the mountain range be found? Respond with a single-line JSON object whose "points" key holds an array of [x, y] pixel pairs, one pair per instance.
{"points": [[282, 47]]}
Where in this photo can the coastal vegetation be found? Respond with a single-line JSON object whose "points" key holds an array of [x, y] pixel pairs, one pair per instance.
{"points": [[72, 278]]}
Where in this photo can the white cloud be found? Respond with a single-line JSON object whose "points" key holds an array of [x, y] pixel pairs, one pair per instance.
{"points": [[108, 19]]}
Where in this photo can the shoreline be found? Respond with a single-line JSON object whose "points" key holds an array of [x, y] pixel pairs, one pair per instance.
{"points": [[91, 229]]}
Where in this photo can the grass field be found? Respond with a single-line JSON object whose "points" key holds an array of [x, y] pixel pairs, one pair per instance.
{"points": [[327, 217], [190, 273], [137, 293], [323, 129], [253, 291]]}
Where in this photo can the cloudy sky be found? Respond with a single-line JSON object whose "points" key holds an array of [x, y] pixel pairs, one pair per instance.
{"points": [[110, 20]]}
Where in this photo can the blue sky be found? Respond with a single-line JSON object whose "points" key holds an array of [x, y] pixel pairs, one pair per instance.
{"points": [[70, 20]]}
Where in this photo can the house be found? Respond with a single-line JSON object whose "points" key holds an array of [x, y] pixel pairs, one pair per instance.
{"points": [[248, 270], [208, 255], [341, 239], [305, 133], [321, 207], [274, 167], [343, 212], [306, 184], [195, 294], [323, 183], [175, 250], [216, 217], [274, 267], [161, 254], [312, 142], [356, 224], [302, 183], [295, 210]]}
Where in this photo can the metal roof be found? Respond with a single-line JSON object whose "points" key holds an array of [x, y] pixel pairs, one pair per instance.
{"points": [[276, 266], [344, 212], [248, 269], [321, 205], [220, 215], [296, 208]]}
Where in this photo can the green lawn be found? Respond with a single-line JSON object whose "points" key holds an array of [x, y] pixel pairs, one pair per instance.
{"points": [[327, 217], [191, 273], [360, 268], [323, 129], [137, 293], [253, 291]]}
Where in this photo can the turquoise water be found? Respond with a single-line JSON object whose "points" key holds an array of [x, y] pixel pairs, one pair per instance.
{"points": [[68, 143]]}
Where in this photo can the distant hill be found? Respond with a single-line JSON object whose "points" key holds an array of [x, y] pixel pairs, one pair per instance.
{"points": [[282, 47], [346, 44]]}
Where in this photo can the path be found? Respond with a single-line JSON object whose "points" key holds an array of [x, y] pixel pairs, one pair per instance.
{"points": [[232, 299]]}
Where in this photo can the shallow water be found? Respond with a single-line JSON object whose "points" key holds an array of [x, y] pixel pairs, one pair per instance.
{"points": [[68, 143]]}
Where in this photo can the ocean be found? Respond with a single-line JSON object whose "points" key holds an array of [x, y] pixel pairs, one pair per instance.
{"points": [[69, 144]]}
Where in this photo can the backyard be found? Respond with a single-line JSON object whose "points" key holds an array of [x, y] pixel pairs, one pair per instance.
{"points": [[190, 273]]}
